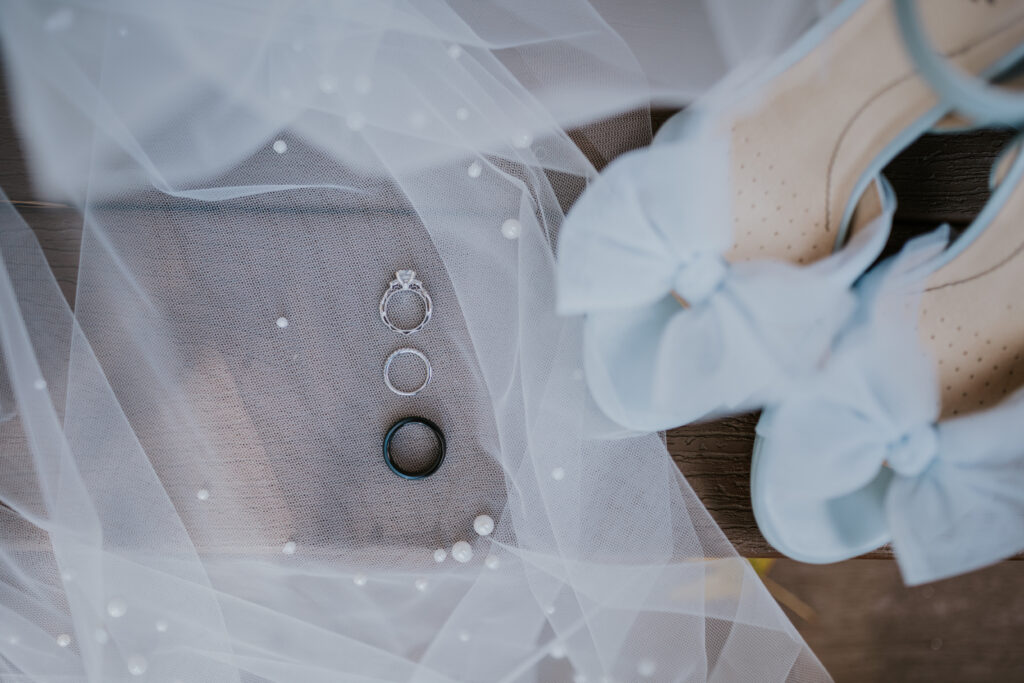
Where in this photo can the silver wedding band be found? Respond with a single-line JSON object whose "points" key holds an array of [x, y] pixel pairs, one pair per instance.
{"points": [[387, 371]]}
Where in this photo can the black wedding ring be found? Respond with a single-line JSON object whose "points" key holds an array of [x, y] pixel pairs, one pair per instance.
{"points": [[432, 466]]}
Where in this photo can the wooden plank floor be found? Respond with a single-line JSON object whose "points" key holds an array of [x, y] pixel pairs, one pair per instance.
{"points": [[867, 627]]}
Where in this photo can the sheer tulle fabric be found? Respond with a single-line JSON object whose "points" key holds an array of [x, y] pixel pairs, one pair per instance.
{"points": [[194, 491]]}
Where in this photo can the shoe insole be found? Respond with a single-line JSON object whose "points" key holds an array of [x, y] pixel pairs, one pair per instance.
{"points": [[802, 143], [972, 317]]}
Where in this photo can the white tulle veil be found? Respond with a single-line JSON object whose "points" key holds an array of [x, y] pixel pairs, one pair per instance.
{"points": [[190, 460]]}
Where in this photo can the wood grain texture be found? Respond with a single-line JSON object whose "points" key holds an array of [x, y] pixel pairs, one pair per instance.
{"points": [[941, 178], [867, 627], [14, 178], [59, 231], [944, 178]]}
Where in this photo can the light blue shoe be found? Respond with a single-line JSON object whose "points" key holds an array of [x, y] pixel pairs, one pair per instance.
{"points": [[913, 432], [757, 211]]}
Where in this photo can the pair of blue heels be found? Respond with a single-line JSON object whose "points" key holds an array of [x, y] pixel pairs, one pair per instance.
{"points": [[723, 270]]}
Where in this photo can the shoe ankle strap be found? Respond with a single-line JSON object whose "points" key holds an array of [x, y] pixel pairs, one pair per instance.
{"points": [[974, 97]]}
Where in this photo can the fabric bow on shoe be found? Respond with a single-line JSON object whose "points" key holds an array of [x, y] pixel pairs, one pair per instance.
{"points": [[952, 490], [657, 222], [698, 279], [914, 451]]}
